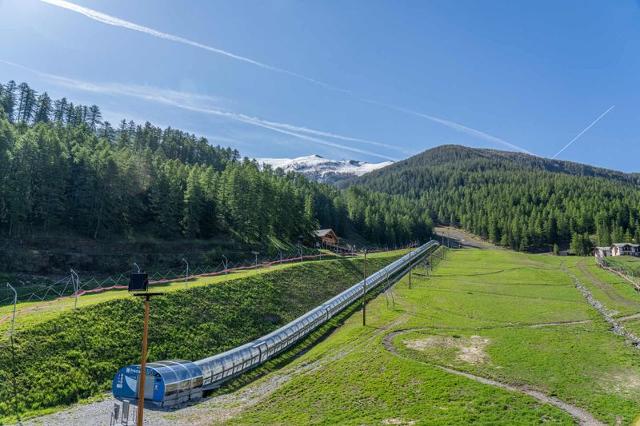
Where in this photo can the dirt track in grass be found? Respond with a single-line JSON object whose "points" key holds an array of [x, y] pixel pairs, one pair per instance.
{"points": [[583, 417]]}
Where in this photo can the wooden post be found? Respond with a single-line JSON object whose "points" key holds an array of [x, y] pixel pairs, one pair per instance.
{"points": [[143, 363]]}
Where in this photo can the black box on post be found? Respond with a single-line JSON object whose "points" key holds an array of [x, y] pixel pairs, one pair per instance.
{"points": [[138, 281]]}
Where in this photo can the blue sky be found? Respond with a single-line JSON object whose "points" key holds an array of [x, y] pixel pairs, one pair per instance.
{"points": [[364, 80]]}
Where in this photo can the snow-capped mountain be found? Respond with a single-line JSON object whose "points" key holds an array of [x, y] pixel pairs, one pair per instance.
{"points": [[323, 169]]}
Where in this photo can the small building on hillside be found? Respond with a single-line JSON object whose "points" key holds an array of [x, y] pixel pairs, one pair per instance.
{"points": [[327, 236], [602, 251], [625, 249]]}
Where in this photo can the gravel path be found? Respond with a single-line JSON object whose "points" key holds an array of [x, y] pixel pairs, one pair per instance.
{"points": [[463, 238], [582, 416], [212, 410]]}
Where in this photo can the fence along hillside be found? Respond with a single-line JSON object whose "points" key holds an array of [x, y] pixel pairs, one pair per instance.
{"points": [[79, 283]]}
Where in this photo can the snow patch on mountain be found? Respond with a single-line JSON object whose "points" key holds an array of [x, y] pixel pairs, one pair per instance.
{"points": [[323, 169]]}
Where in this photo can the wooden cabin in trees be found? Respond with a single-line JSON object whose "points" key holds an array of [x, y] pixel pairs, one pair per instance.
{"points": [[327, 236]]}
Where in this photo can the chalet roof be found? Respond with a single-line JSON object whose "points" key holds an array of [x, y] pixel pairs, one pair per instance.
{"points": [[324, 232], [603, 248], [626, 244]]}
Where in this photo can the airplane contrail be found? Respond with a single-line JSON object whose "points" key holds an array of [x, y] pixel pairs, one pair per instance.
{"points": [[336, 136], [185, 101], [453, 125], [593, 123], [118, 22]]}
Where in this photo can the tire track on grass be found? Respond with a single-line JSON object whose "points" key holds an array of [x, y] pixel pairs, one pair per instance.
{"points": [[582, 416]]}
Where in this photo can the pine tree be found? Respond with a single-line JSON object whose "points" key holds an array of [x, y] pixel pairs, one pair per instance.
{"points": [[26, 102], [8, 100], [93, 116], [43, 109], [580, 244], [60, 107], [617, 235], [193, 209]]}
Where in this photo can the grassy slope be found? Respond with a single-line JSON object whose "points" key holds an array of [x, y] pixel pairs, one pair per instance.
{"points": [[616, 293], [32, 313], [70, 356], [628, 263], [497, 295]]}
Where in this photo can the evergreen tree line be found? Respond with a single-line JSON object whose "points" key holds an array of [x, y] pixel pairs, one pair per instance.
{"points": [[517, 201], [64, 169]]}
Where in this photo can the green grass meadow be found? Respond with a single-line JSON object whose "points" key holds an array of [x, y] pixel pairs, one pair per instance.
{"points": [[511, 317]]}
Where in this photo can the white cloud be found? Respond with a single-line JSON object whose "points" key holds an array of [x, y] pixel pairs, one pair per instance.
{"points": [[117, 22]]}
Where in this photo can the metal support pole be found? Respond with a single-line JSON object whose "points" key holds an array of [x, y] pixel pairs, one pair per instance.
{"points": [[364, 291], [386, 284], [225, 263], [75, 280], [143, 363], [186, 275], [410, 267]]}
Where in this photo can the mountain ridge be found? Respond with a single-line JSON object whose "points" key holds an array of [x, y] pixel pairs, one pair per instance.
{"points": [[468, 157], [516, 200]]}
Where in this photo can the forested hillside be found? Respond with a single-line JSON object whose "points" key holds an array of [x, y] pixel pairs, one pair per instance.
{"points": [[64, 169], [516, 200]]}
